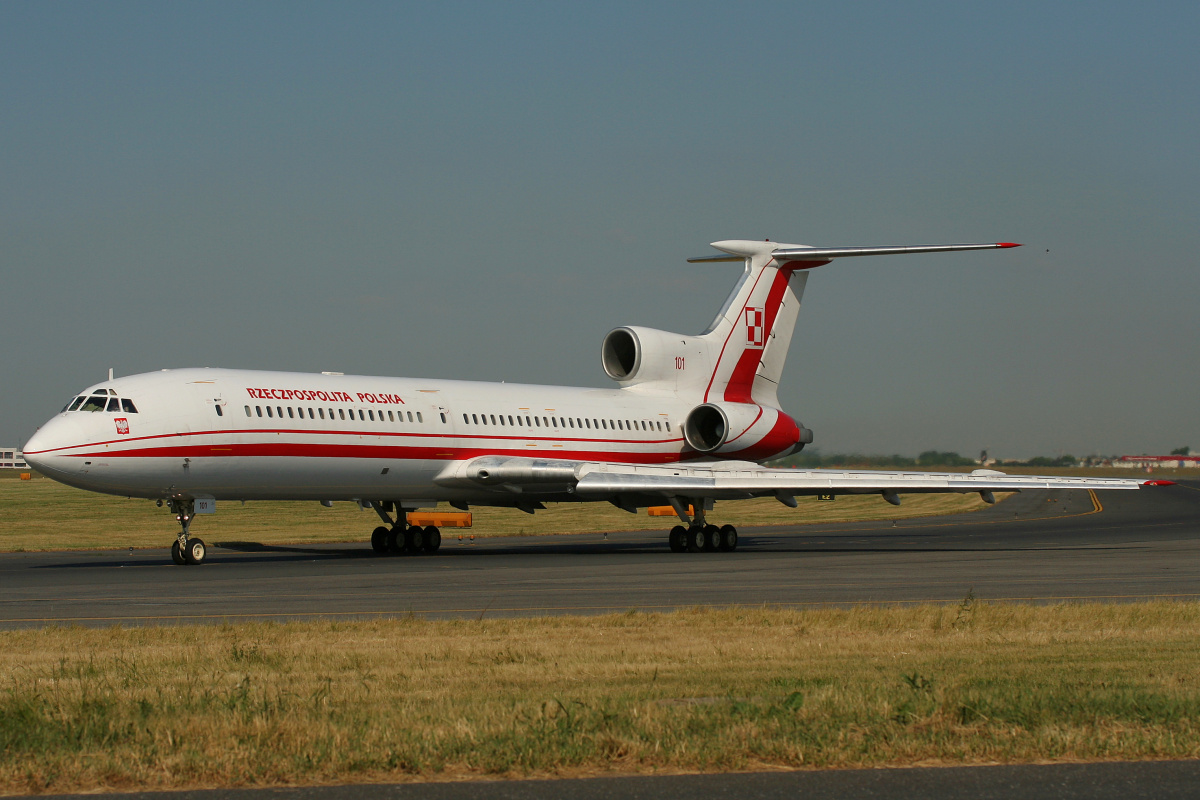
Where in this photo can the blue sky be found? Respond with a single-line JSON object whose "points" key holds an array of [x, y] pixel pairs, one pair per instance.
{"points": [[482, 191]]}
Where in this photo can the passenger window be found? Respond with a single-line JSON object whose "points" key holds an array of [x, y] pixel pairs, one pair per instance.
{"points": [[360, 415], [466, 419], [247, 411], [475, 419], [410, 416], [291, 413], [391, 418], [321, 411], [341, 413], [554, 422], [537, 423], [443, 416], [220, 413], [371, 414], [279, 410], [269, 414], [587, 424], [419, 417], [501, 420], [259, 410]]}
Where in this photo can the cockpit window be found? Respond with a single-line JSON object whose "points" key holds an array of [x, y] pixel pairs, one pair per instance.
{"points": [[94, 403], [76, 403], [128, 407], [114, 404]]}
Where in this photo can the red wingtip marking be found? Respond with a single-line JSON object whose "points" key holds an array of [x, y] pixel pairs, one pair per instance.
{"points": [[1007, 244], [1158, 483]]}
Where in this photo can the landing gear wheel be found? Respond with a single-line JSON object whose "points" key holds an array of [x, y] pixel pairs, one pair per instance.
{"points": [[678, 539], [395, 541], [414, 539], [712, 538], [195, 551], [177, 553], [379, 539], [729, 539], [433, 539], [695, 539]]}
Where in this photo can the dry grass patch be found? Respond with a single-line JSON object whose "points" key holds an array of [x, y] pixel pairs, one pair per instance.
{"points": [[706, 690], [42, 514]]}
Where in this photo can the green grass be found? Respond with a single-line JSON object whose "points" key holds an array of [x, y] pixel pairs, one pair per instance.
{"points": [[701, 690]]}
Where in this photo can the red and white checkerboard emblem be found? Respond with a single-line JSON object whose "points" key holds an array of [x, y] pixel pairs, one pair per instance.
{"points": [[122, 425], [754, 327]]}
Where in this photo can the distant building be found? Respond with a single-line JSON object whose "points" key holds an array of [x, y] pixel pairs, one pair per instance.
{"points": [[12, 458], [1162, 462]]}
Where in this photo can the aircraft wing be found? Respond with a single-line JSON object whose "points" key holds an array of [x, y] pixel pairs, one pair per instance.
{"points": [[632, 485]]}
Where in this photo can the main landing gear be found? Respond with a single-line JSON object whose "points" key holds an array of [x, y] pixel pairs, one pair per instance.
{"points": [[398, 537], [186, 549], [700, 537], [703, 538]]}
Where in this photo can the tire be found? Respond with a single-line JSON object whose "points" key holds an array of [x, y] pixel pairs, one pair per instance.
{"points": [[695, 540], [729, 538], [414, 539], [177, 554], [395, 541], [678, 539], [195, 551], [379, 539], [712, 538], [433, 539]]}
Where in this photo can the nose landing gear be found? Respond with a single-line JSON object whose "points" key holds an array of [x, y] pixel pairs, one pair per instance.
{"points": [[185, 549]]}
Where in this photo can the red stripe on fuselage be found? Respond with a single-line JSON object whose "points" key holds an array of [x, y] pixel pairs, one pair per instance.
{"points": [[385, 451], [355, 433]]}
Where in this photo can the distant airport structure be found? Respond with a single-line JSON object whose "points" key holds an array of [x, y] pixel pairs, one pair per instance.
{"points": [[1174, 461], [12, 458]]}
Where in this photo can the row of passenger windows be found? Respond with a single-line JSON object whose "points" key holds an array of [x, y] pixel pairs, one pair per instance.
{"points": [[500, 420], [585, 423], [335, 414], [102, 400]]}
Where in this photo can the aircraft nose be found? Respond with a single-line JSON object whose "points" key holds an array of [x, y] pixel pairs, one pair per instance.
{"points": [[38, 451], [34, 450]]}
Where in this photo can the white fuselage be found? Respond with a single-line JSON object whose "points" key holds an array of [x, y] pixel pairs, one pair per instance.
{"points": [[243, 435]]}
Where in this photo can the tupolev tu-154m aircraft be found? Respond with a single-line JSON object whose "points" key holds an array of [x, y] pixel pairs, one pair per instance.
{"points": [[692, 422]]}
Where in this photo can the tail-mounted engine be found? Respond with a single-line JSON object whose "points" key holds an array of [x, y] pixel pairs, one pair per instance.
{"points": [[742, 430], [634, 355]]}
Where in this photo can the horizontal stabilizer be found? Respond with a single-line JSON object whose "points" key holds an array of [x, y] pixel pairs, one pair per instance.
{"points": [[792, 253]]}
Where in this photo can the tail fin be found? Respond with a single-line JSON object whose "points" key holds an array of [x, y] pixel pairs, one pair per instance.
{"points": [[750, 336]]}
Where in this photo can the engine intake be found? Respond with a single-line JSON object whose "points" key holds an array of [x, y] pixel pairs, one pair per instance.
{"points": [[622, 354]]}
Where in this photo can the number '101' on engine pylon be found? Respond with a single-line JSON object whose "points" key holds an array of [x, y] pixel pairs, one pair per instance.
{"points": [[691, 423]]}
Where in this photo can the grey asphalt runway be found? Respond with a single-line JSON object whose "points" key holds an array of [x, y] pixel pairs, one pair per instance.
{"points": [[1037, 546]]}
